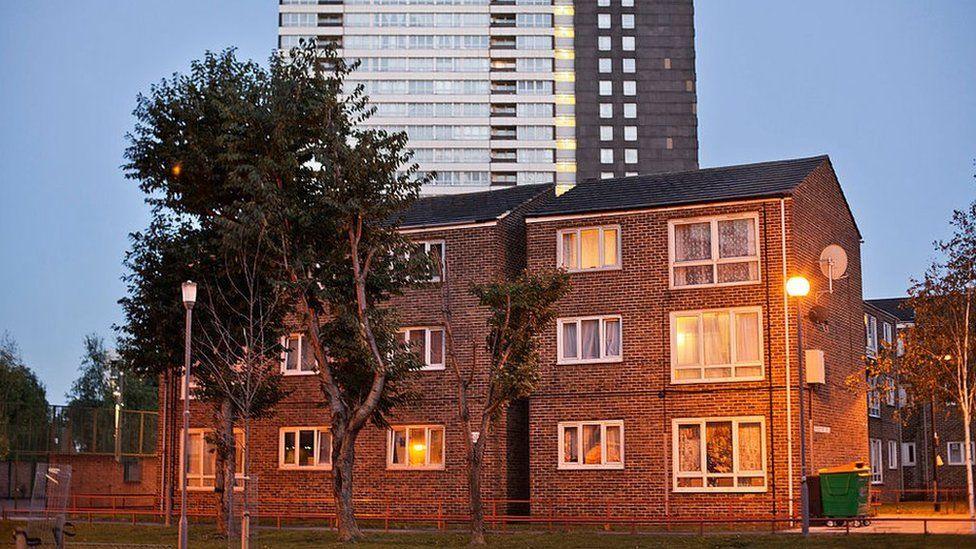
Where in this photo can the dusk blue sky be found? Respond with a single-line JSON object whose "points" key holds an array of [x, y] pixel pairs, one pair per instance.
{"points": [[886, 88]]}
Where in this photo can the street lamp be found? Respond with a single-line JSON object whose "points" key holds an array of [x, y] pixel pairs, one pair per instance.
{"points": [[798, 287], [189, 299]]}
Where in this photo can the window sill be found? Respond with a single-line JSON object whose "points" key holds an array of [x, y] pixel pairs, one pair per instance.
{"points": [[595, 269], [209, 488], [431, 369], [425, 468], [740, 490], [306, 468], [575, 467], [704, 381], [713, 285], [299, 373], [590, 361]]}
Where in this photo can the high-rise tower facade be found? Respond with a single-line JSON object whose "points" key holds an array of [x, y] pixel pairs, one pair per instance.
{"points": [[504, 92]]}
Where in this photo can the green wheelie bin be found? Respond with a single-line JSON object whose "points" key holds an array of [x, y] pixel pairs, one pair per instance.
{"points": [[844, 494]]}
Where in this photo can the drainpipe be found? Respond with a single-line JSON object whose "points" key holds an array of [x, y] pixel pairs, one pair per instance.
{"points": [[786, 332]]}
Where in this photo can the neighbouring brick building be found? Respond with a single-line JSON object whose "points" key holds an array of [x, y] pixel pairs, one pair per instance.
{"points": [[669, 381]]}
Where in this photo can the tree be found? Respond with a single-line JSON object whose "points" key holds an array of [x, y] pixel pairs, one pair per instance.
{"points": [[23, 403], [517, 311], [101, 374], [941, 346], [235, 149]]}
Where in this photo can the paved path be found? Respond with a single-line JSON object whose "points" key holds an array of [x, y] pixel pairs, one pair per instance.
{"points": [[905, 524]]}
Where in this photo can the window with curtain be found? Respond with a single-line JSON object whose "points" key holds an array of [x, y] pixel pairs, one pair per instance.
{"points": [[416, 447], [874, 450], [714, 251], [305, 448], [203, 458], [428, 343], [719, 455], [591, 445], [297, 357], [589, 248], [589, 339], [716, 345]]}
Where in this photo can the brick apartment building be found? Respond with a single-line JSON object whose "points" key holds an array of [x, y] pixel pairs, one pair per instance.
{"points": [[669, 381]]}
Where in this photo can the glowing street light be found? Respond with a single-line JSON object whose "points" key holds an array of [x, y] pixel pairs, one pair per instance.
{"points": [[798, 287]]}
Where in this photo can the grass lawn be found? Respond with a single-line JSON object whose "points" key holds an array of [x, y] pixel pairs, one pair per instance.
{"points": [[202, 537]]}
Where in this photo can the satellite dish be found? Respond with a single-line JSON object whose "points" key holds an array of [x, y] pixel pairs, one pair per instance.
{"points": [[833, 262]]}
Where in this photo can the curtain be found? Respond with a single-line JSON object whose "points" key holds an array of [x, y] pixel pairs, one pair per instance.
{"points": [[612, 332], [308, 357], [399, 446], [569, 251], [589, 248], [686, 340], [692, 241], [738, 272], [292, 353], [325, 448], [750, 447], [570, 445], [306, 447], [418, 344], [591, 444], [289, 444], [613, 444], [747, 337], [609, 246], [437, 347], [436, 450], [591, 338], [718, 446], [417, 446], [437, 257], [736, 238], [569, 340], [715, 332], [689, 448], [697, 274]]}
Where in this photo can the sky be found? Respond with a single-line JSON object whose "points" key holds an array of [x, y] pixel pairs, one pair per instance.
{"points": [[885, 87]]}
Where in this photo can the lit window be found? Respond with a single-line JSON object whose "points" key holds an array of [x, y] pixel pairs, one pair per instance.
{"points": [[630, 133], [606, 133], [589, 248], [629, 174], [606, 156], [606, 87], [630, 110], [954, 451], [630, 65], [200, 473], [603, 3], [606, 65], [428, 343], [589, 339], [434, 249], [305, 448], [908, 454], [603, 21], [630, 87], [627, 20], [627, 43], [606, 110], [630, 156], [716, 345], [892, 454], [606, 175], [297, 357], [874, 451], [603, 43], [720, 455], [416, 447], [714, 251], [626, 3], [591, 445]]}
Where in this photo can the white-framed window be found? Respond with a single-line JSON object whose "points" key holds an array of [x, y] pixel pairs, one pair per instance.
{"points": [[435, 250], [892, 454], [297, 358], [606, 133], [428, 342], [955, 454], [630, 87], [887, 332], [871, 335], [592, 339], [200, 475], [630, 156], [415, 447], [304, 448], [603, 21], [629, 65], [627, 3], [630, 133], [589, 248], [605, 65], [874, 399], [717, 345], [890, 391], [714, 251], [606, 175], [603, 3], [606, 87], [877, 472], [627, 21], [627, 43], [606, 156], [603, 43], [908, 454], [722, 454], [606, 110], [591, 444], [630, 110]]}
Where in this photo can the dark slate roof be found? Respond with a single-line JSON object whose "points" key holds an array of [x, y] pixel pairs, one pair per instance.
{"points": [[763, 180], [895, 306], [452, 209]]}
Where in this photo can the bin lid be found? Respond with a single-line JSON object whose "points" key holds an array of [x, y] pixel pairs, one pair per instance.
{"points": [[859, 467]]}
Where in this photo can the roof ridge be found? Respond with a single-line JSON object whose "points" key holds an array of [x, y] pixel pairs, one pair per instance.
{"points": [[712, 169]]}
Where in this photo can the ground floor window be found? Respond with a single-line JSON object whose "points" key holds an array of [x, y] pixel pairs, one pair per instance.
{"points": [[305, 448], [200, 474], [955, 454], [908, 454], [591, 445], [877, 474], [416, 447], [720, 454], [892, 454]]}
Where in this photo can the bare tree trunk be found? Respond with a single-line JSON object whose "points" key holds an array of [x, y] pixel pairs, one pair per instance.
{"points": [[343, 458], [475, 459], [224, 469], [966, 419]]}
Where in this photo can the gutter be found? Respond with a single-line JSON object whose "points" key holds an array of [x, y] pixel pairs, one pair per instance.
{"points": [[786, 323]]}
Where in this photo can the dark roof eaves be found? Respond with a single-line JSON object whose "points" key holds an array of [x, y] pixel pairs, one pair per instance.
{"points": [[661, 206]]}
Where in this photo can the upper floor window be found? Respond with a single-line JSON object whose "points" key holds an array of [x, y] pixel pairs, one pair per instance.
{"points": [[297, 357], [434, 249], [871, 335], [416, 447], [589, 248], [589, 339], [887, 332], [720, 455], [716, 345], [714, 251], [874, 398], [428, 343], [305, 448], [200, 474], [591, 445]]}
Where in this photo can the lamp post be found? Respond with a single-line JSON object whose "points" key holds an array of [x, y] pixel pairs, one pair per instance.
{"points": [[798, 287], [189, 299]]}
